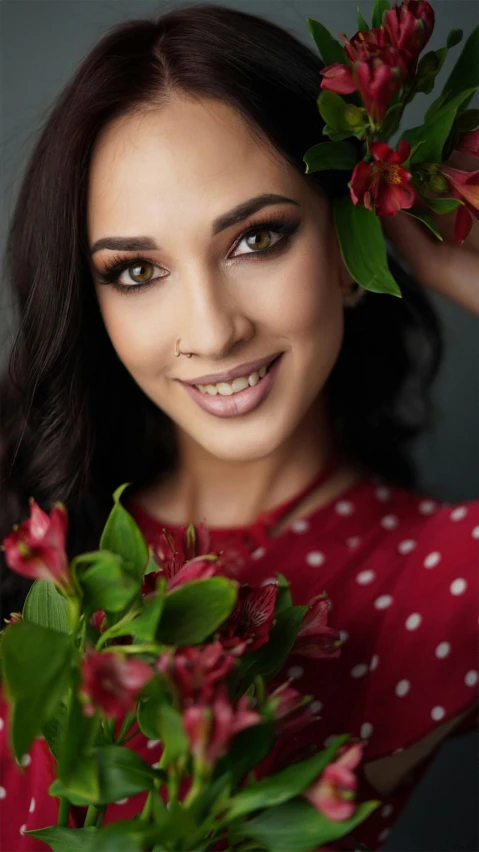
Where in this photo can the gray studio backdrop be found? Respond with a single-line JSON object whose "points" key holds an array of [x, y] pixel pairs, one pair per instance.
{"points": [[42, 42]]}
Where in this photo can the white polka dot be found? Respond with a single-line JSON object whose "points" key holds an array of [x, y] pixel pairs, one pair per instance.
{"points": [[354, 541], [153, 743], [23, 828], [427, 507], [438, 713], [458, 586], [443, 650], [383, 602], [270, 581], [389, 522], [365, 577], [383, 834], [295, 672], [315, 558], [432, 559], [300, 526], [258, 553], [32, 806], [475, 532], [316, 706], [398, 750], [366, 730], [413, 621], [343, 635], [3, 792], [330, 740], [383, 493], [359, 670], [471, 678], [386, 811], [402, 688], [1, 724], [25, 760], [406, 546], [121, 801], [458, 513], [344, 507], [374, 663]]}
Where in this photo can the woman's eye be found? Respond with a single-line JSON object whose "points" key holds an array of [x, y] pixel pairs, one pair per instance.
{"points": [[256, 244], [139, 273]]}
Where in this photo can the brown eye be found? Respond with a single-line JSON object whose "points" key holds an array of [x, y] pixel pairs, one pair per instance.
{"points": [[258, 243], [137, 272]]}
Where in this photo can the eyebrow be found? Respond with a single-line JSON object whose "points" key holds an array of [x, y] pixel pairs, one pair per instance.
{"points": [[237, 214]]}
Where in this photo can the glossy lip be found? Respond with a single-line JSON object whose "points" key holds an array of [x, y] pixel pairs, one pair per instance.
{"points": [[240, 403], [235, 373]]}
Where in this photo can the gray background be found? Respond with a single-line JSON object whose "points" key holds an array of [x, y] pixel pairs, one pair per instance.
{"points": [[42, 42]]}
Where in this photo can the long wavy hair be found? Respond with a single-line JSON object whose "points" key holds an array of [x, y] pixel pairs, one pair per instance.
{"points": [[73, 423]]}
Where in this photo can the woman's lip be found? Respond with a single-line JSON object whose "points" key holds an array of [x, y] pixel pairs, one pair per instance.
{"points": [[239, 403], [242, 370]]}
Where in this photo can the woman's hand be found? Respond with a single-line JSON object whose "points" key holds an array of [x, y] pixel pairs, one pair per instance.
{"points": [[447, 267]]}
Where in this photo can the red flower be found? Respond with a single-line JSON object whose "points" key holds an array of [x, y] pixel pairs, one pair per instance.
{"points": [[97, 619], [469, 142], [211, 727], [334, 792], [36, 547], [291, 709], [251, 620], [383, 184], [181, 558], [409, 26], [195, 671], [314, 638], [14, 617], [111, 683], [463, 185]]}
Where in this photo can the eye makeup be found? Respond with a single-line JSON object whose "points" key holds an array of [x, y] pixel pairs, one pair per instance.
{"points": [[280, 224]]}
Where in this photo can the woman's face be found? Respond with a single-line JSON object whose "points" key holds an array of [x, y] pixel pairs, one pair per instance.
{"points": [[166, 176]]}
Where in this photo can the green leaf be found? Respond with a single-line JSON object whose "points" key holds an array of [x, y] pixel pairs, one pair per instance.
{"points": [[194, 611], [123, 836], [107, 584], [123, 536], [110, 773], [423, 217], [269, 659], [443, 205], [454, 37], [337, 135], [467, 120], [333, 108], [284, 785], [159, 720], [248, 748], [330, 155], [296, 826], [380, 7], [465, 74], [330, 50], [45, 606], [36, 667], [53, 729], [362, 24], [61, 839], [78, 734], [363, 247], [435, 132], [83, 785], [284, 599]]}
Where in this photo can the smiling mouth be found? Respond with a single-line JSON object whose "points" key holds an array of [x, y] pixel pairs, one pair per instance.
{"points": [[237, 385]]}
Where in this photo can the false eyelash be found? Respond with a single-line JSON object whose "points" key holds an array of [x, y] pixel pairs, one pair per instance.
{"points": [[279, 224]]}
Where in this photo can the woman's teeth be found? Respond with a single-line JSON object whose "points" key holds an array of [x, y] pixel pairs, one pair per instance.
{"points": [[227, 389]]}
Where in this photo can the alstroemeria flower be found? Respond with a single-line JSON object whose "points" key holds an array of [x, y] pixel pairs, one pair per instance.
{"points": [[179, 556], [469, 142], [334, 792], [314, 638], [14, 617], [211, 727], [195, 671], [409, 26], [251, 620], [291, 709], [36, 547], [383, 185], [111, 683], [463, 185]]}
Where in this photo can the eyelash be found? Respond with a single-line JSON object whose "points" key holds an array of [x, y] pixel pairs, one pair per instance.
{"points": [[279, 224]]}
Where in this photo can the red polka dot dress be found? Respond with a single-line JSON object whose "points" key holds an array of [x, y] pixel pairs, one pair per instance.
{"points": [[401, 571]]}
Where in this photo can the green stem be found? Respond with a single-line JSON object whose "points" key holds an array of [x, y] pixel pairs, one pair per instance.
{"points": [[128, 721], [63, 812], [91, 816], [146, 812], [127, 739]]}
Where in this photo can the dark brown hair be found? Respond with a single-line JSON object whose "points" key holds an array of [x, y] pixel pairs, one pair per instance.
{"points": [[73, 423]]}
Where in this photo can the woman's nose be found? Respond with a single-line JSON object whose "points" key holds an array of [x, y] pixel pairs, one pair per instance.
{"points": [[213, 319]]}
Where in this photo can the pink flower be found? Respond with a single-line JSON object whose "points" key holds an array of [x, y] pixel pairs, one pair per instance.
{"points": [[112, 683], [463, 185], [195, 671], [251, 620], [334, 792], [383, 185], [314, 638], [14, 617], [211, 727], [469, 142], [97, 619], [181, 557], [291, 709], [36, 547], [410, 25]]}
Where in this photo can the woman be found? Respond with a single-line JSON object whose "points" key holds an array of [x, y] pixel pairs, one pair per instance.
{"points": [[179, 147]]}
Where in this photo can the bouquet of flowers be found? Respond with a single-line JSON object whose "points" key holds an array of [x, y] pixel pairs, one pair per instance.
{"points": [[366, 84], [131, 638]]}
